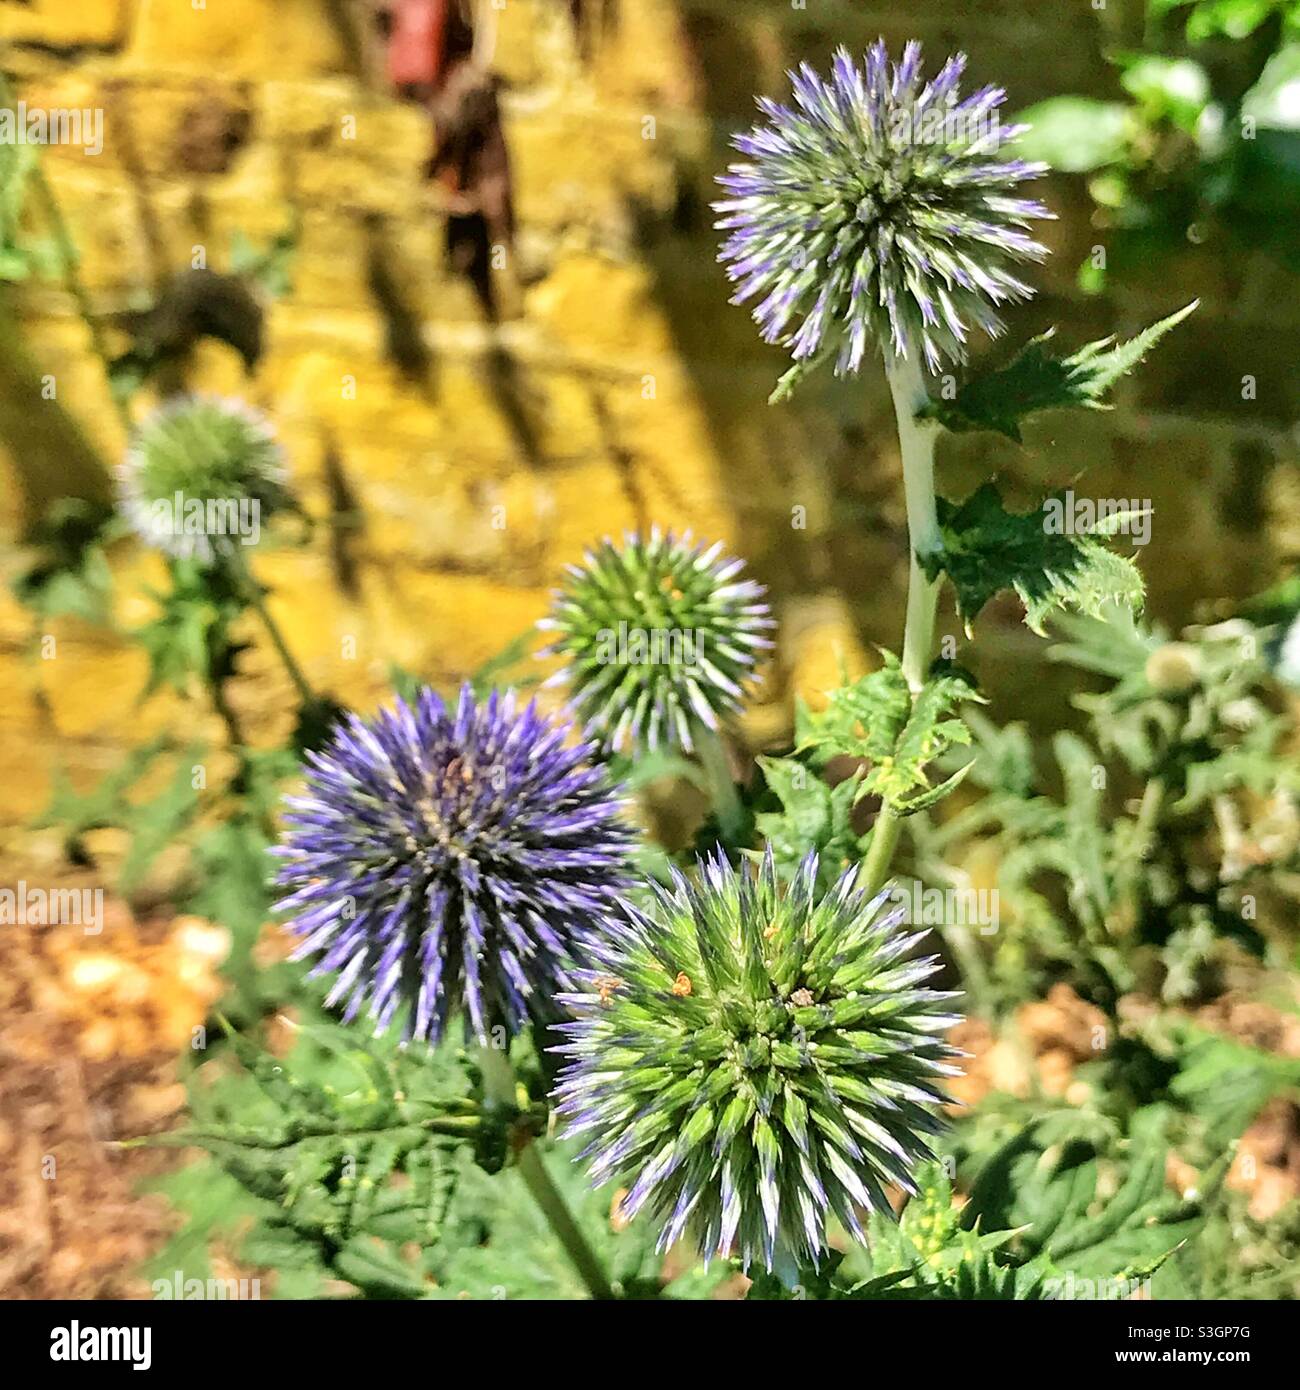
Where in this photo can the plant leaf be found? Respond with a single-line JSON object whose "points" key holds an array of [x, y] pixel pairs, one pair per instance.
{"points": [[987, 549], [879, 719], [813, 815], [1036, 380], [1075, 134]]}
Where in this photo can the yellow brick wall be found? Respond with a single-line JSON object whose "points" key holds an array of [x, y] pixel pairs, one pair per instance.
{"points": [[620, 390]]}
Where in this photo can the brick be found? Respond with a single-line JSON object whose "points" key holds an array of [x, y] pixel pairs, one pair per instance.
{"points": [[58, 24], [237, 38]]}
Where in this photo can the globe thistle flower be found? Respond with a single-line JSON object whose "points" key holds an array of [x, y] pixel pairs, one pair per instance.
{"points": [[756, 1060], [660, 637], [201, 475], [878, 208], [443, 856]]}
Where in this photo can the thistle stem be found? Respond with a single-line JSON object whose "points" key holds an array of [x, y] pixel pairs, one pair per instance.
{"points": [[726, 801], [257, 600], [880, 848], [499, 1085], [916, 440]]}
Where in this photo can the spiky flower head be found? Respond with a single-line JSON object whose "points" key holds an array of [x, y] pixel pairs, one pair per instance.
{"points": [[660, 635], [202, 475], [446, 855], [878, 207], [755, 1061]]}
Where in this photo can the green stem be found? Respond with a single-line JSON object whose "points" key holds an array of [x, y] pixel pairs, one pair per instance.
{"points": [[916, 442], [880, 848], [727, 805], [256, 597], [916, 439], [499, 1085]]}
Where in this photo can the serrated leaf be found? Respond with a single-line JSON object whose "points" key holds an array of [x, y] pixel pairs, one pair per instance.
{"points": [[903, 735], [1035, 379], [813, 816], [929, 1254], [987, 549], [349, 1148], [1051, 1187], [152, 824], [1226, 1083], [189, 640]]}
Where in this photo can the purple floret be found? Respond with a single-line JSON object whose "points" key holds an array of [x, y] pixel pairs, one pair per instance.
{"points": [[444, 857], [870, 198]]}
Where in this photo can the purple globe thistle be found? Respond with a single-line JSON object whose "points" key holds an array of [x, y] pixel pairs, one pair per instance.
{"points": [[201, 476], [660, 636], [754, 1061], [878, 208], [444, 856]]}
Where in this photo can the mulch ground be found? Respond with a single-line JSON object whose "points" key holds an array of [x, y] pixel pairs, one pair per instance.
{"points": [[91, 1026]]}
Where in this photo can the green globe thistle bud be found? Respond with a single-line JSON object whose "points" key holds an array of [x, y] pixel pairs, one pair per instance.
{"points": [[755, 1061], [201, 476], [659, 636]]}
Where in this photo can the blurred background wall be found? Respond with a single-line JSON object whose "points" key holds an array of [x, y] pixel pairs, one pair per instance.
{"points": [[457, 436]]}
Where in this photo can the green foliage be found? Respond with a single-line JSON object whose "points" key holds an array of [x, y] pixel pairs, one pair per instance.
{"points": [[270, 267], [1232, 19], [16, 164], [1238, 1256], [190, 640], [152, 823], [929, 1253], [1206, 147], [22, 255], [69, 575], [987, 549], [1225, 1083], [902, 735], [813, 816], [347, 1152], [231, 869], [1035, 379], [1052, 1214], [496, 1244], [1075, 134], [1090, 1210], [351, 1160], [1175, 837], [1153, 852]]}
